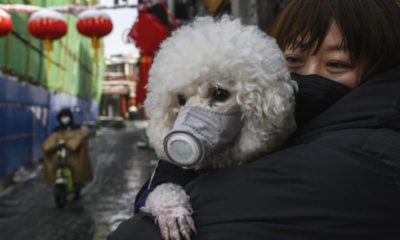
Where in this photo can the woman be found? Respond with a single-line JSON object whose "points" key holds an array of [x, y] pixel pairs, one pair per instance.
{"points": [[339, 175]]}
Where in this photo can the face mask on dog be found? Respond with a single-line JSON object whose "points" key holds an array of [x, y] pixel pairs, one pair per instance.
{"points": [[199, 133], [315, 95]]}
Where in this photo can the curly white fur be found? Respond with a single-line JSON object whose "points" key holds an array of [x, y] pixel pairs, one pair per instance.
{"points": [[170, 205], [239, 58], [167, 197]]}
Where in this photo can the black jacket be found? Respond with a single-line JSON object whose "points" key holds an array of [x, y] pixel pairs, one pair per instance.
{"points": [[338, 178]]}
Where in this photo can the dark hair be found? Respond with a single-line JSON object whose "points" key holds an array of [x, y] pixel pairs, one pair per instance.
{"points": [[370, 29]]}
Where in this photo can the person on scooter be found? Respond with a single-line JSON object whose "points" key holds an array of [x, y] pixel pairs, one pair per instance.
{"points": [[71, 136]]}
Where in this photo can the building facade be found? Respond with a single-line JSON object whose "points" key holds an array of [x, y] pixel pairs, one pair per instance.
{"points": [[118, 99], [30, 96]]}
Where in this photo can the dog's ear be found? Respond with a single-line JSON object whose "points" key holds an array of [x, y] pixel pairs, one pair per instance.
{"points": [[269, 107]]}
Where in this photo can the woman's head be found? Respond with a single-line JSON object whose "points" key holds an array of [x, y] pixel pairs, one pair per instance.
{"points": [[346, 41]]}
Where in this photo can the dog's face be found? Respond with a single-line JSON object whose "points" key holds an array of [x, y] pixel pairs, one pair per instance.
{"points": [[223, 67], [216, 99], [212, 95]]}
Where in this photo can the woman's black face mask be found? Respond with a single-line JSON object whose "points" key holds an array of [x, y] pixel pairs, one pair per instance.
{"points": [[315, 95]]}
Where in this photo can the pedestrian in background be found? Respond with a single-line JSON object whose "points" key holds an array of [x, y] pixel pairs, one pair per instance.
{"points": [[338, 175]]}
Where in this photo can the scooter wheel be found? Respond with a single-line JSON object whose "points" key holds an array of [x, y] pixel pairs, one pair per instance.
{"points": [[60, 196]]}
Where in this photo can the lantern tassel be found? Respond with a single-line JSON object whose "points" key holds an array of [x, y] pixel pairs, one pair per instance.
{"points": [[48, 46], [95, 46]]}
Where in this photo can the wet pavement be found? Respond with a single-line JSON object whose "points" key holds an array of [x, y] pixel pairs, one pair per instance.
{"points": [[28, 210]]}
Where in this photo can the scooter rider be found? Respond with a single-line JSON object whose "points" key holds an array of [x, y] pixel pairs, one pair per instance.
{"points": [[77, 157]]}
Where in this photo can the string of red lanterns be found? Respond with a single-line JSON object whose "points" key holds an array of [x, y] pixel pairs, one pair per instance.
{"points": [[148, 31], [91, 23], [49, 25]]}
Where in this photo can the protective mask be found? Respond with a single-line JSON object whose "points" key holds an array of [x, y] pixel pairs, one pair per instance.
{"points": [[198, 133], [315, 95], [65, 120]]}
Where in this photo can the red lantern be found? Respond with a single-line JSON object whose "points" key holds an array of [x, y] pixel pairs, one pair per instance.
{"points": [[47, 25], [148, 32], [5, 23], [95, 24]]}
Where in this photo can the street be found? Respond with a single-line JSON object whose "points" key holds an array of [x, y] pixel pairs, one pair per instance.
{"points": [[120, 168]]}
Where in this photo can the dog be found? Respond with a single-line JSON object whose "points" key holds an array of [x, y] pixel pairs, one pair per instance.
{"points": [[219, 94]]}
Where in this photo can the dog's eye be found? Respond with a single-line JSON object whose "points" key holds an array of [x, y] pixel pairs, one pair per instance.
{"points": [[181, 100], [220, 94]]}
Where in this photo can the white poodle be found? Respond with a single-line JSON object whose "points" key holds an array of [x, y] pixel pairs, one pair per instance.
{"points": [[219, 94]]}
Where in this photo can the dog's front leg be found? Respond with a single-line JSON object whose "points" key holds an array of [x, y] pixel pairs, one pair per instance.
{"points": [[170, 206]]}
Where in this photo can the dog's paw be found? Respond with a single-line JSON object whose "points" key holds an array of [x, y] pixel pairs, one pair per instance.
{"points": [[170, 206]]}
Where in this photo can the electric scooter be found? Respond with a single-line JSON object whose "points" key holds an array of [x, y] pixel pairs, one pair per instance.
{"points": [[64, 183]]}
